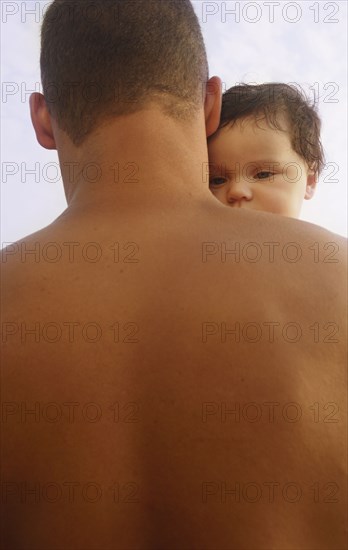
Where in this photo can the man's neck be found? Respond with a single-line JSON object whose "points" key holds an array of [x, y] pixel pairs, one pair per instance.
{"points": [[140, 162]]}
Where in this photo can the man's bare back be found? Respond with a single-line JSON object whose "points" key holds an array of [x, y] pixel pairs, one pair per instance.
{"points": [[173, 370], [183, 399]]}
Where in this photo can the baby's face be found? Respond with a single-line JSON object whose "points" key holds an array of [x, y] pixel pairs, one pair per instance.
{"points": [[254, 166]]}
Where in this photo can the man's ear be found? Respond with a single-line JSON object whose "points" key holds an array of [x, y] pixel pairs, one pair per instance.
{"points": [[212, 105], [312, 180], [41, 120]]}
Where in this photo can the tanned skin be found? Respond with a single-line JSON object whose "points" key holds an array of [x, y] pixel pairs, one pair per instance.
{"points": [[147, 450]]}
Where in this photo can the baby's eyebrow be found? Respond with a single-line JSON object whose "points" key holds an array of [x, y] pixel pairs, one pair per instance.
{"points": [[228, 166], [266, 161], [215, 167]]}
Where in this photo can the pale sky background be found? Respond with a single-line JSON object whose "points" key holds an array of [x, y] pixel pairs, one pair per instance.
{"points": [[303, 42]]}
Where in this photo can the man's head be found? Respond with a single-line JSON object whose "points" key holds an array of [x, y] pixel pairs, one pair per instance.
{"points": [[109, 58], [268, 144]]}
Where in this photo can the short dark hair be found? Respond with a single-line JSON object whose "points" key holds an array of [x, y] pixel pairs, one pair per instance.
{"points": [[105, 58], [270, 101]]}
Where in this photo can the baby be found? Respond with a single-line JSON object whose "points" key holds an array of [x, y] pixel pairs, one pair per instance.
{"points": [[266, 154]]}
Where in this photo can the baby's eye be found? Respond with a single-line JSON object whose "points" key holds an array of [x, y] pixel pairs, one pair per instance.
{"points": [[264, 175], [217, 181]]}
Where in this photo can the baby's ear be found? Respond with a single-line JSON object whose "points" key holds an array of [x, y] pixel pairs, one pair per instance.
{"points": [[312, 180], [41, 120], [212, 105]]}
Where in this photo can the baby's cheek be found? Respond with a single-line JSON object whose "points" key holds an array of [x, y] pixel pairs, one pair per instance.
{"points": [[278, 200]]}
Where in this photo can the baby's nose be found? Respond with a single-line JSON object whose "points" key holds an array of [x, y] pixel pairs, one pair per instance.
{"points": [[237, 191]]}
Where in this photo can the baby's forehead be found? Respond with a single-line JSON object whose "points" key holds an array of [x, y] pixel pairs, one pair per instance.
{"points": [[251, 138], [278, 122]]}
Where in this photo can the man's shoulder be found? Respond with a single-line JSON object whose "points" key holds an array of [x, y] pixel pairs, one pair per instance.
{"points": [[217, 238], [287, 245], [15, 253]]}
